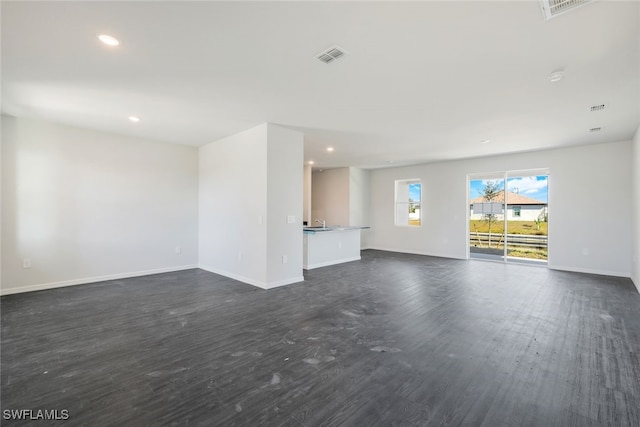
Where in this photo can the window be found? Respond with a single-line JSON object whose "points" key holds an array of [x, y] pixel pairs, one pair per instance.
{"points": [[516, 211], [408, 200]]}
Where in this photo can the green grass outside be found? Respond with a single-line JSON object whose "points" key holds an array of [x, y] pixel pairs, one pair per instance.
{"points": [[513, 227], [530, 253]]}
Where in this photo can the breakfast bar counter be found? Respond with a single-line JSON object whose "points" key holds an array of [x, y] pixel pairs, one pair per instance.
{"points": [[330, 245]]}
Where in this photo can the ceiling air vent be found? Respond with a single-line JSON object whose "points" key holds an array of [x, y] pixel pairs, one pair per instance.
{"points": [[597, 107], [598, 129], [331, 54], [552, 8]]}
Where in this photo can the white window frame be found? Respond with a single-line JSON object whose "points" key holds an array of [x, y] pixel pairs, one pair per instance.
{"points": [[401, 198]]}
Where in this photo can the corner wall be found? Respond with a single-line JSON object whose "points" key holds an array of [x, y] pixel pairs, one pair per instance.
{"points": [[250, 184], [589, 206], [86, 206], [635, 195], [233, 206], [285, 160]]}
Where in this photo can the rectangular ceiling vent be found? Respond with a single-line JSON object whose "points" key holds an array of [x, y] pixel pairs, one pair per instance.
{"points": [[597, 107], [331, 54], [553, 8], [598, 129]]}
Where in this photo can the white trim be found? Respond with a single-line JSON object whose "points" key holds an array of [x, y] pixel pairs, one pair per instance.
{"points": [[252, 282], [590, 271], [404, 251], [332, 262], [233, 276], [87, 280], [551, 267], [284, 282]]}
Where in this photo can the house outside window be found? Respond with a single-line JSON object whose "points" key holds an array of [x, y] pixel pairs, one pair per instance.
{"points": [[516, 211], [408, 203]]}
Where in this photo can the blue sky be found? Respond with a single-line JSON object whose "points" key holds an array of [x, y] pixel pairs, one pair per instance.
{"points": [[414, 192], [535, 187]]}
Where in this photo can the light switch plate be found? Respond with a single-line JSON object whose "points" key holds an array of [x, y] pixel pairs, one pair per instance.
{"points": [[291, 219]]}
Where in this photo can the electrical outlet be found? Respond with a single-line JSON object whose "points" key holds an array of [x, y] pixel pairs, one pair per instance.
{"points": [[291, 219], [585, 251], [178, 250], [26, 263], [284, 259]]}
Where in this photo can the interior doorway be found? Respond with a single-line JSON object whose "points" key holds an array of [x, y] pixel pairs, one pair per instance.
{"points": [[509, 216]]}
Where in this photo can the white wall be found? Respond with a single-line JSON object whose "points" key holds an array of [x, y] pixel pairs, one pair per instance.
{"points": [[635, 197], [330, 196], [1, 201], [86, 206], [593, 180], [285, 159], [233, 206], [250, 182]]}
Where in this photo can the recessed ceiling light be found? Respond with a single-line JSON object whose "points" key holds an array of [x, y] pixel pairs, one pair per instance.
{"points": [[134, 119], [330, 149], [310, 162], [108, 40], [484, 141], [556, 76]]}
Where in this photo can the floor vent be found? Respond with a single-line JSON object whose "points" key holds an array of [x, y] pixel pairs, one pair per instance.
{"points": [[553, 8], [331, 54], [597, 107]]}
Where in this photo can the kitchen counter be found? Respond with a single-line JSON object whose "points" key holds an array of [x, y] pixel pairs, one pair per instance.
{"points": [[332, 228], [330, 245]]}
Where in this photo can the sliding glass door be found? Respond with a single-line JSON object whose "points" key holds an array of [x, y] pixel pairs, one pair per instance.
{"points": [[509, 216]]}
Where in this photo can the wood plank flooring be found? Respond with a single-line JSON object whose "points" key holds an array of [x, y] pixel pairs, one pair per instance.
{"points": [[391, 340]]}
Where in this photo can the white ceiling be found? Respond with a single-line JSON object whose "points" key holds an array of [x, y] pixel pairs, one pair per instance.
{"points": [[423, 81]]}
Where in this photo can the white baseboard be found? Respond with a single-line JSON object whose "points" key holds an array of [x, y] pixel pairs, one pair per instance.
{"points": [[590, 271], [552, 267], [333, 262], [405, 251], [86, 280], [252, 282], [272, 285]]}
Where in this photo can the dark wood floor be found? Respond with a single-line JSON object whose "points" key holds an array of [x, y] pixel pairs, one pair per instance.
{"points": [[394, 339]]}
